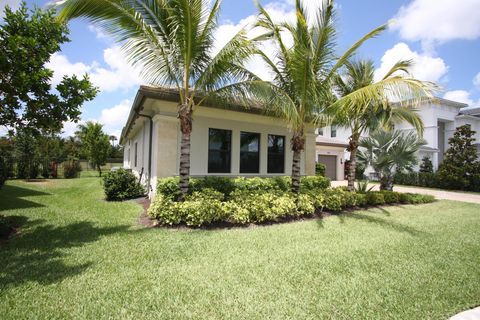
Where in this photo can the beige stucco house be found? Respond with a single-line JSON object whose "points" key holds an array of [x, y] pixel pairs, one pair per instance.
{"points": [[226, 140]]}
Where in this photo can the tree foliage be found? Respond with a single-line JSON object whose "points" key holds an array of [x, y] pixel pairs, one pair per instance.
{"points": [[460, 168], [171, 42], [95, 143], [426, 166], [389, 152], [27, 41]]}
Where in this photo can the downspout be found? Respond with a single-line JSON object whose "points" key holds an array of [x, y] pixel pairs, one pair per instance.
{"points": [[149, 148]]}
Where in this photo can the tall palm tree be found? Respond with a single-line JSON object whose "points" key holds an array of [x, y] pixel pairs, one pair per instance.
{"points": [[389, 152], [171, 42], [376, 112], [302, 72]]}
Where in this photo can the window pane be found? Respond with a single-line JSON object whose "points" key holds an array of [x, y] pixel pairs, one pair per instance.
{"points": [[249, 152], [333, 132], [219, 150], [276, 154]]}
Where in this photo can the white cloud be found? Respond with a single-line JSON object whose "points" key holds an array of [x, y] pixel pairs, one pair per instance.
{"points": [[426, 67], [69, 128], [119, 75], [115, 117], [13, 4], [459, 96], [438, 21], [476, 81]]}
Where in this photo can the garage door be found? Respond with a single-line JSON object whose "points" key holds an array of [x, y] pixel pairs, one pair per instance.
{"points": [[330, 163]]}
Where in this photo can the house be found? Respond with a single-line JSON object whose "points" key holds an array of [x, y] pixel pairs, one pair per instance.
{"points": [[440, 117], [228, 140]]}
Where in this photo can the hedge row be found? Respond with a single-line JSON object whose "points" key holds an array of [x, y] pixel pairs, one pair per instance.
{"points": [[450, 181], [170, 186], [243, 206]]}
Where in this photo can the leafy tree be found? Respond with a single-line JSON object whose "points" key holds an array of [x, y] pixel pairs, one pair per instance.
{"points": [[171, 41], [26, 97], [460, 168], [95, 143], [426, 166], [52, 152], [27, 155], [389, 152], [369, 107]]}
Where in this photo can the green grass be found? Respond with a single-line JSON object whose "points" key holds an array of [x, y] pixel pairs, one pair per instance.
{"points": [[77, 256]]}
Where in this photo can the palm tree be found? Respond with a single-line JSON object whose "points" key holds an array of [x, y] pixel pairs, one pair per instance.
{"points": [[389, 152], [303, 72], [376, 112], [171, 42]]}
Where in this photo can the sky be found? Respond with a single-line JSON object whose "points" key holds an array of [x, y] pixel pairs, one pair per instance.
{"points": [[441, 36]]}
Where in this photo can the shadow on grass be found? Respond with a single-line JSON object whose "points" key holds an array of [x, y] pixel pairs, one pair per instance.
{"points": [[37, 253], [11, 198], [385, 223]]}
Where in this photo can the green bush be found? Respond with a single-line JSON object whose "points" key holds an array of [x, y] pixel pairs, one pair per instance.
{"points": [[320, 169], [314, 183], [361, 199], [165, 210], [390, 196], [224, 185], [121, 184], [257, 200], [375, 198], [71, 169], [201, 207], [415, 198]]}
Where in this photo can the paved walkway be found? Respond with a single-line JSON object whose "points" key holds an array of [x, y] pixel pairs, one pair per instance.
{"points": [[473, 314], [439, 194]]}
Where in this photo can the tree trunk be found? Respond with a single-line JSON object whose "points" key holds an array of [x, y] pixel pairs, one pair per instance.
{"points": [[298, 144], [386, 182], [185, 116], [99, 170], [352, 166]]}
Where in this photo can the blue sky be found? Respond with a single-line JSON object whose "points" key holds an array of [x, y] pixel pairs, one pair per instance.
{"points": [[442, 36]]}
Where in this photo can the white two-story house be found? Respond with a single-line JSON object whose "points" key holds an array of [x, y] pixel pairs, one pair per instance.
{"points": [[440, 119]]}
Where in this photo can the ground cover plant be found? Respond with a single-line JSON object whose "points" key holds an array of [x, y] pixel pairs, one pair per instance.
{"points": [[78, 256], [258, 200]]}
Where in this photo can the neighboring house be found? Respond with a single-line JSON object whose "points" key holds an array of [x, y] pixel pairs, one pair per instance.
{"points": [[226, 140], [440, 119]]}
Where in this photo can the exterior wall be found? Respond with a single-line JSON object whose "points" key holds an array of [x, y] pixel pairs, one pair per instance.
{"points": [[167, 136], [141, 138]]}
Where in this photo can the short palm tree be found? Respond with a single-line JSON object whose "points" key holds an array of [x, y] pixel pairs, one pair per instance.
{"points": [[303, 72], [171, 42], [377, 111], [389, 152]]}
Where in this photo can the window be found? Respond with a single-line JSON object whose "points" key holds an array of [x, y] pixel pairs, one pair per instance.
{"points": [[219, 150], [276, 154], [249, 152], [320, 131], [135, 162], [333, 131]]}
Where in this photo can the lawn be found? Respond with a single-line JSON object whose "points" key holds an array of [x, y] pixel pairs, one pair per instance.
{"points": [[77, 256]]}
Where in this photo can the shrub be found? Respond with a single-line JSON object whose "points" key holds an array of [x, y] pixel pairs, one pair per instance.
{"points": [[71, 169], [390, 196], [375, 198], [305, 205], [255, 184], [320, 169], [163, 209], [201, 207], [314, 182], [334, 200], [169, 187], [121, 184], [224, 185], [361, 199]]}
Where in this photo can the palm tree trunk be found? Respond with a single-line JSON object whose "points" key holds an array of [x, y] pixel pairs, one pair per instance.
{"points": [[185, 116], [298, 144], [352, 166]]}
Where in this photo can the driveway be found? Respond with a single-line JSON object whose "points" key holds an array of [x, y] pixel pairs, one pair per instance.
{"points": [[439, 194]]}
